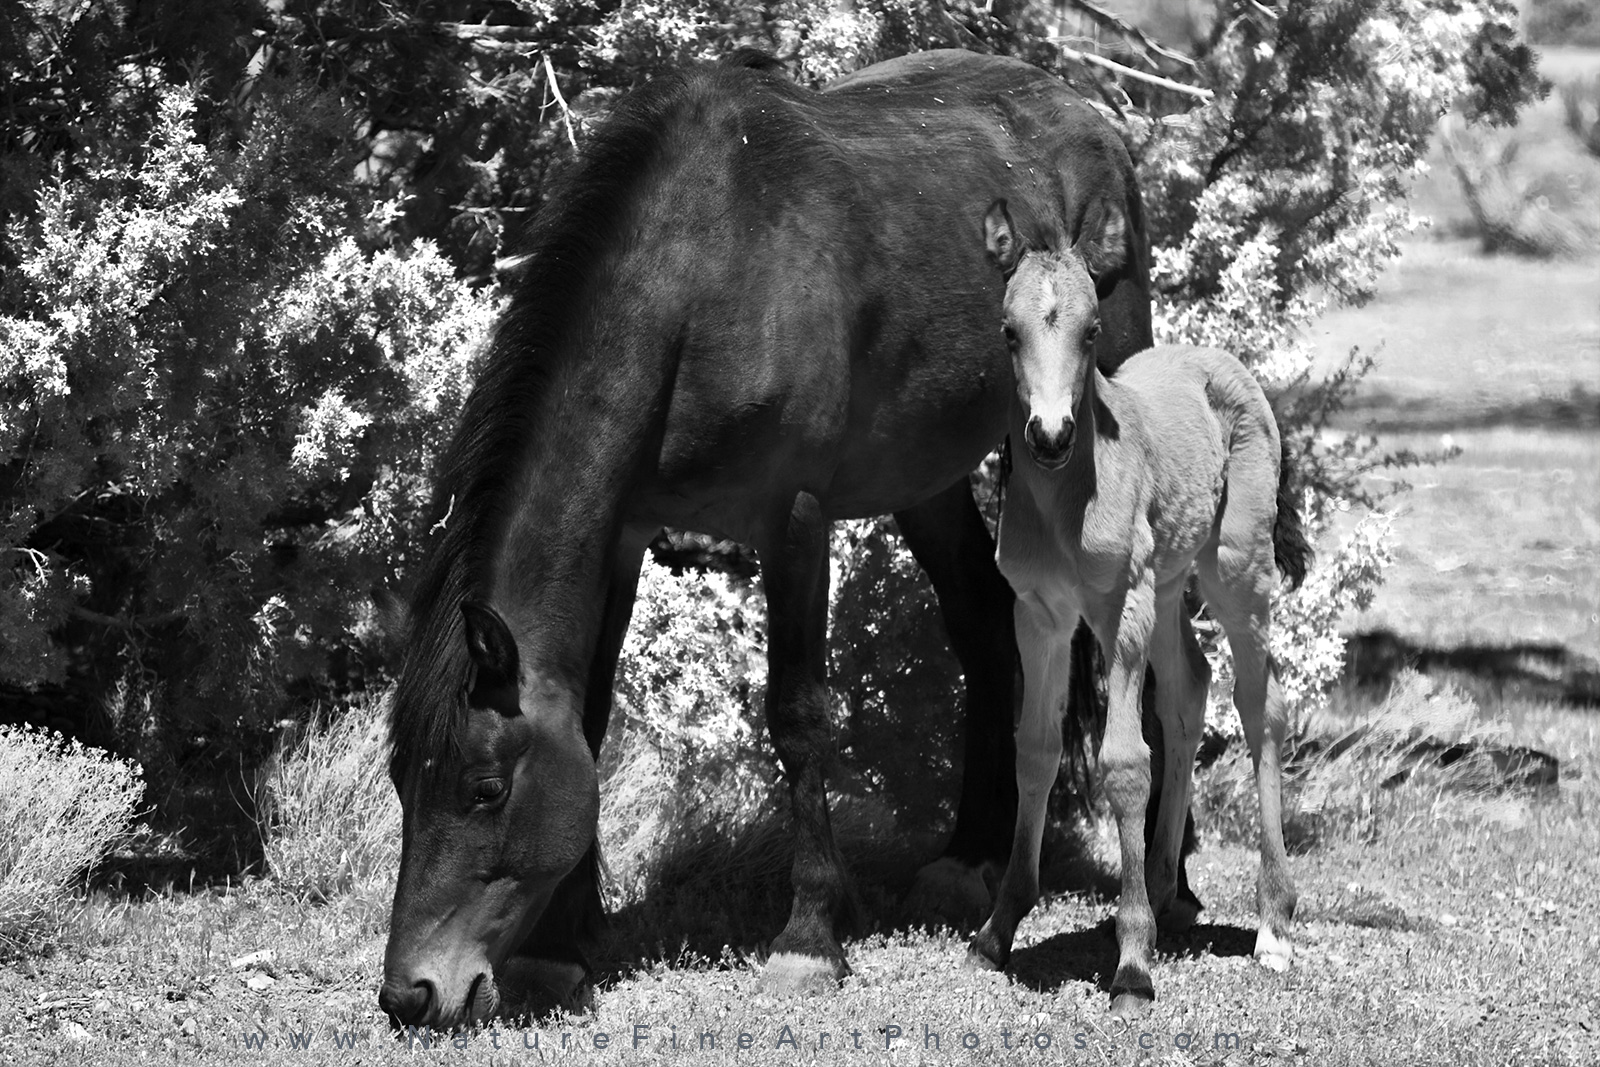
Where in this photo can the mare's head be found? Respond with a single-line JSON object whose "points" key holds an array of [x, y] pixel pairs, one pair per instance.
{"points": [[500, 802], [1052, 319]]}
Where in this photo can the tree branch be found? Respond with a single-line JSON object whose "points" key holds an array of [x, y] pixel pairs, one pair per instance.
{"points": [[1128, 72]]}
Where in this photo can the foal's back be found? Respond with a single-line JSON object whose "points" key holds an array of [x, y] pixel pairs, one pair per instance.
{"points": [[1182, 419]]}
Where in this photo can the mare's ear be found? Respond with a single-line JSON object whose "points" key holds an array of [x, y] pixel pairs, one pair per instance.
{"points": [[1103, 240], [491, 646], [1001, 238]]}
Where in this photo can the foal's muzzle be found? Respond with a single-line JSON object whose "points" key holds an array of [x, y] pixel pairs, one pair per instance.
{"points": [[1049, 449]]}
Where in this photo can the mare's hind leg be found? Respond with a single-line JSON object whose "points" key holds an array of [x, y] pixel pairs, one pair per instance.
{"points": [[948, 537], [1182, 677], [553, 956], [1238, 595], [806, 956], [1044, 631]]}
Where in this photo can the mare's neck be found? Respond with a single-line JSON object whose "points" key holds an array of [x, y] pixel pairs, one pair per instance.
{"points": [[586, 447]]}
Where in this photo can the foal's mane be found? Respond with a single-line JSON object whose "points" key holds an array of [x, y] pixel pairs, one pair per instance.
{"points": [[579, 223]]}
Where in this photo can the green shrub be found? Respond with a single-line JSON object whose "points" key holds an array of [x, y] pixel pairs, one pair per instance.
{"points": [[1513, 212], [1580, 107], [328, 814], [63, 807]]}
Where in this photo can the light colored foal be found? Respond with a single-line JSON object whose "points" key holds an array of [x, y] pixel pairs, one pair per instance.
{"points": [[1126, 484]]}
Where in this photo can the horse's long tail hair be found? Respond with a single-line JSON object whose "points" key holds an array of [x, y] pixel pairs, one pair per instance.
{"points": [[1291, 550]]}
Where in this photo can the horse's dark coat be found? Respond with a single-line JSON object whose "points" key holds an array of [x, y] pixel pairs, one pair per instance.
{"points": [[750, 310]]}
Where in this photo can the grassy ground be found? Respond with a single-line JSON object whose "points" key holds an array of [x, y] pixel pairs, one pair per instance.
{"points": [[1455, 929]]}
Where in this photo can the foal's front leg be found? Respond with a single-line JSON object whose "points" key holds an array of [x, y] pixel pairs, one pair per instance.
{"points": [[1125, 770]]}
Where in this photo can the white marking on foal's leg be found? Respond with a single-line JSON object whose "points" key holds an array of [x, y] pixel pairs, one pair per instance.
{"points": [[1273, 952]]}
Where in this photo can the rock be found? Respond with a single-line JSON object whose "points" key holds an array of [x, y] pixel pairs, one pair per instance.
{"points": [[260, 982], [254, 959]]}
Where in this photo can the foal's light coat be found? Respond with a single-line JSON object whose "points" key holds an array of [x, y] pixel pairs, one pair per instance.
{"points": [[1128, 482]]}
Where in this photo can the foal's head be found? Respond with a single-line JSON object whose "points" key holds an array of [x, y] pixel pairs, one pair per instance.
{"points": [[1052, 318]]}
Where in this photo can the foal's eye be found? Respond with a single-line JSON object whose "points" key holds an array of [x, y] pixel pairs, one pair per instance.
{"points": [[488, 790], [1011, 335], [1092, 333]]}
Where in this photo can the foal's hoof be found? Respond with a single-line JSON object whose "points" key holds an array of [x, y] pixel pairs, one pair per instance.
{"points": [[948, 892], [1132, 1004], [1273, 952], [790, 974]]}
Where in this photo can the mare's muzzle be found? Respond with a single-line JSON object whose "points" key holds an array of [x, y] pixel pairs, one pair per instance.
{"points": [[1049, 448]]}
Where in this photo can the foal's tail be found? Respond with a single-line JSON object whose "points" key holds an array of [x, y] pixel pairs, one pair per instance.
{"points": [[1291, 551]]}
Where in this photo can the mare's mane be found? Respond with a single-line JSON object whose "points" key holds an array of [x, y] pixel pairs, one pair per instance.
{"points": [[578, 224]]}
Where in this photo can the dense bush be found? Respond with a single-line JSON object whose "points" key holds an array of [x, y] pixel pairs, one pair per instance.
{"points": [[63, 807], [220, 403]]}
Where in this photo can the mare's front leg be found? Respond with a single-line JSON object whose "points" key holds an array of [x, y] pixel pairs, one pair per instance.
{"points": [[554, 955], [806, 956], [1044, 634], [1125, 768], [948, 537]]}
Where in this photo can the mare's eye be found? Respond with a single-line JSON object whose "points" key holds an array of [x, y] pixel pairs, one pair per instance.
{"points": [[488, 790]]}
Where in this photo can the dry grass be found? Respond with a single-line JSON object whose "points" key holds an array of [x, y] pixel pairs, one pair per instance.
{"points": [[329, 817], [63, 806]]}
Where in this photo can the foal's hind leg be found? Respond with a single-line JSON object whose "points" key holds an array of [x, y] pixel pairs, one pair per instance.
{"points": [[806, 956], [1238, 596], [1182, 678], [1043, 636], [951, 543]]}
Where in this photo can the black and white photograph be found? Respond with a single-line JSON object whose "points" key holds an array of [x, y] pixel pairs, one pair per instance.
{"points": [[698, 533]]}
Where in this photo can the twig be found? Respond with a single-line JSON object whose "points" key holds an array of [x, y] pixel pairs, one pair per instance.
{"points": [[1128, 72], [566, 113]]}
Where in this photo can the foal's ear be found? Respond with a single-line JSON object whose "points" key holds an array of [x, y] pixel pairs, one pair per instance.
{"points": [[1103, 240], [490, 644], [1000, 237]]}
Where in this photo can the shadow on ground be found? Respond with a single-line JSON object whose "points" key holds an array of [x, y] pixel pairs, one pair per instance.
{"points": [[1090, 955], [1541, 672], [1378, 410]]}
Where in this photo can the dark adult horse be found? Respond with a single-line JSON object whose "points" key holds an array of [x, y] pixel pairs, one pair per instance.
{"points": [[751, 310]]}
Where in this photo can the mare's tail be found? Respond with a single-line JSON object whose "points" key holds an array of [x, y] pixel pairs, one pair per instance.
{"points": [[1291, 551]]}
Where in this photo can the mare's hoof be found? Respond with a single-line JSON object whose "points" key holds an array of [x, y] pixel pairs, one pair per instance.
{"points": [[986, 953], [1132, 1003], [977, 961], [948, 892], [1273, 952], [791, 974], [1179, 916]]}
